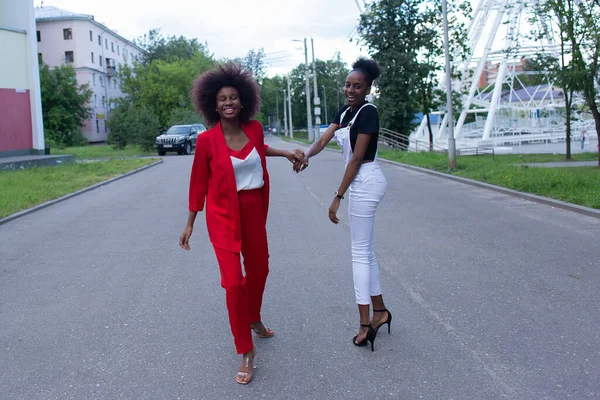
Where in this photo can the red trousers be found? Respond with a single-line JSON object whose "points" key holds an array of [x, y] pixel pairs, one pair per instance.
{"points": [[244, 293]]}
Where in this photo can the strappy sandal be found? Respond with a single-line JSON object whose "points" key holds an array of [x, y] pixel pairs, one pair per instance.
{"points": [[245, 377], [263, 333], [388, 321]]}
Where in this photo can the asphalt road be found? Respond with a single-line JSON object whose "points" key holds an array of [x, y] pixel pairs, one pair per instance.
{"points": [[493, 297]]}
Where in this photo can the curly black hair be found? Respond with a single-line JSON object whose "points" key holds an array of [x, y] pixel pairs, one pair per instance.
{"points": [[369, 68], [207, 85]]}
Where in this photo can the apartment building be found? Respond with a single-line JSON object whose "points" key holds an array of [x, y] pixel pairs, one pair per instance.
{"points": [[96, 53], [21, 125]]}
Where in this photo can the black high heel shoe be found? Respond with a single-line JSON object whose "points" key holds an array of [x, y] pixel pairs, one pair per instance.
{"points": [[371, 334], [388, 321]]}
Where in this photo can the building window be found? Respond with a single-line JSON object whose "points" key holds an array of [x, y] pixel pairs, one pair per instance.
{"points": [[39, 36], [100, 59], [112, 46], [118, 50], [103, 102], [69, 58], [97, 126], [92, 57], [106, 43], [94, 78], [67, 34], [115, 82], [91, 36], [99, 41], [102, 81], [95, 101], [40, 60], [105, 127]]}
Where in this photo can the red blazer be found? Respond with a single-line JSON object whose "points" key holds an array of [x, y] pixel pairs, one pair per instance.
{"points": [[213, 179]]}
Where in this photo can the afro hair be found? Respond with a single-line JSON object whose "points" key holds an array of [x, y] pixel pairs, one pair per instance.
{"points": [[207, 85]]}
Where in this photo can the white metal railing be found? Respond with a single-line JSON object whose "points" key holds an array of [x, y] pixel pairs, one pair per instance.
{"points": [[394, 139]]}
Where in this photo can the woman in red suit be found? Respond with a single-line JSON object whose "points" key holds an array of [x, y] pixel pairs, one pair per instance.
{"points": [[229, 173]]}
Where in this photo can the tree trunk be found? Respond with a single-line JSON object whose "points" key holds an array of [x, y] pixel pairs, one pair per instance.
{"points": [[430, 133], [594, 107]]}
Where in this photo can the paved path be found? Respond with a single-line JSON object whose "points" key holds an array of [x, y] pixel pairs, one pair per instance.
{"points": [[493, 297], [565, 164]]}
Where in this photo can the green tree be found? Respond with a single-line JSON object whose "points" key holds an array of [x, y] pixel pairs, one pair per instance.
{"points": [[403, 36], [331, 74], [163, 86], [65, 104], [172, 48], [255, 62], [578, 23], [133, 126]]}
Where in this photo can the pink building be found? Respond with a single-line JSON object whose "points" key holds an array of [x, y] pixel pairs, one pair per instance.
{"points": [[21, 125], [95, 52]]}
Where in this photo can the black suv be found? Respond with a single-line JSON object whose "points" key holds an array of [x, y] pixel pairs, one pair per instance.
{"points": [[179, 138]]}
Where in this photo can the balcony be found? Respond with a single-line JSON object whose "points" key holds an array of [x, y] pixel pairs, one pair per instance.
{"points": [[111, 70]]}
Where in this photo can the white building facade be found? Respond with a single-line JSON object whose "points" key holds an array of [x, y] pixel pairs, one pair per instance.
{"points": [[96, 53]]}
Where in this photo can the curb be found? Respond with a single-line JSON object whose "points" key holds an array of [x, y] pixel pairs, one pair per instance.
{"points": [[590, 212], [68, 196]]}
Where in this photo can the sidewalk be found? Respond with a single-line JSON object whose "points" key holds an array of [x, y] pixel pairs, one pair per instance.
{"points": [[563, 164], [19, 162]]}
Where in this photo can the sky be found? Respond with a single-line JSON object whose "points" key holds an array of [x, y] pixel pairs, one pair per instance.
{"points": [[233, 27]]}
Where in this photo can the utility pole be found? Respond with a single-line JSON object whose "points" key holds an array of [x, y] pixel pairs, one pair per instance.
{"points": [[316, 92], [290, 107], [278, 123], [325, 104], [307, 93], [285, 122], [451, 142]]}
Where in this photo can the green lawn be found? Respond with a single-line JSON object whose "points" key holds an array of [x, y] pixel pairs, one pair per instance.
{"points": [[578, 185], [102, 151], [22, 189]]}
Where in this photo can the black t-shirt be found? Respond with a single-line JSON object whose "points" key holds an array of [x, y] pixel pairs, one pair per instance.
{"points": [[367, 122]]}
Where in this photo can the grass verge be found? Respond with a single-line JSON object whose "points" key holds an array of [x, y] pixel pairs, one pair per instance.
{"points": [[22, 189], [578, 185], [103, 151]]}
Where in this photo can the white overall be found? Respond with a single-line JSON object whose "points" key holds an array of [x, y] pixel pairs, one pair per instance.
{"points": [[366, 191]]}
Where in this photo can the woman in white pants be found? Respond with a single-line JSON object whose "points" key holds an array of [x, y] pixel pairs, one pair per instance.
{"points": [[356, 129]]}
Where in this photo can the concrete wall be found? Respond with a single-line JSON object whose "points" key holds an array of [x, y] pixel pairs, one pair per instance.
{"points": [[21, 125]]}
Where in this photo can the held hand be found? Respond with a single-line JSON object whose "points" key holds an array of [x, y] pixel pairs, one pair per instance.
{"points": [[184, 239], [333, 209], [298, 159]]}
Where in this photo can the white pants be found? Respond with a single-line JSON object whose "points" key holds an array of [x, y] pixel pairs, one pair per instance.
{"points": [[366, 191]]}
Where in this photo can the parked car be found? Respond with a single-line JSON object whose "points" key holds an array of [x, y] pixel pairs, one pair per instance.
{"points": [[179, 138]]}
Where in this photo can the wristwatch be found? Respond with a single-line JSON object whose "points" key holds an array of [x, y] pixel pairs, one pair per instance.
{"points": [[339, 196]]}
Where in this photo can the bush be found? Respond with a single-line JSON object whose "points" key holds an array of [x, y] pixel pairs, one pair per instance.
{"points": [[146, 128], [120, 125], [131, 126]]}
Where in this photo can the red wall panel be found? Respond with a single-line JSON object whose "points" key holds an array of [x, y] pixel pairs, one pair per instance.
{"points": [[15, 120]]}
